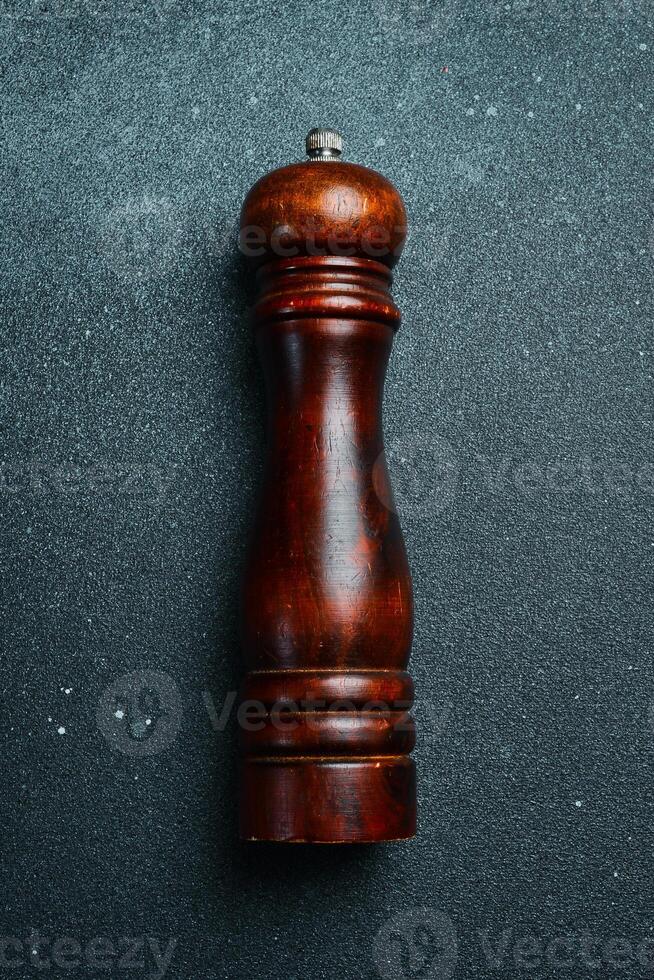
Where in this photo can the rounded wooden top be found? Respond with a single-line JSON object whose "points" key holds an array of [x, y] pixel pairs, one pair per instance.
{"points": [[323, 207]]}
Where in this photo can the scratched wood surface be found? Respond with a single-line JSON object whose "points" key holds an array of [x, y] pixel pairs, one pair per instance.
{"points": [[327, 607]]}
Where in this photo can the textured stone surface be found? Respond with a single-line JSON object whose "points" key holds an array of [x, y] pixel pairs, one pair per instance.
{"points": [[518, 421]]}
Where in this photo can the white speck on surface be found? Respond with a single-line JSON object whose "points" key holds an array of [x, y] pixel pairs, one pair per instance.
{"points": [[119, 714], [87, 334], [578, 803], [380, 141], [477, 98], [530, 114], [252, 100], [61, 730], [49, 719], [578, 106], [539, 78], [615, 874], [491, 111], [148, 721], [67, 690], [642, 46], [470, 111]]}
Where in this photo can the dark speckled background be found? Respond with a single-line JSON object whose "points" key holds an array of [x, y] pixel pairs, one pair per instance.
{"points": [[518, 421]]}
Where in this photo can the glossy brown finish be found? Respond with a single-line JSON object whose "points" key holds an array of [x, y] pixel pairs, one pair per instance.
{"points": [[314, 688], [331, 732], [327, 610], [319, 208], [328, 801]]}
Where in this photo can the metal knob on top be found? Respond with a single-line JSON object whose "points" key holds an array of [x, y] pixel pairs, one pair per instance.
{"points": [[324, 144]]}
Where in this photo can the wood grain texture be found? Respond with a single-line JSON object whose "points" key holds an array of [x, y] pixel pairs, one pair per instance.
{"points": [[327, 607]]}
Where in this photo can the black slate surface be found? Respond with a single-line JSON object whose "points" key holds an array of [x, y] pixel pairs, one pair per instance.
{"points": [[518, 420]]}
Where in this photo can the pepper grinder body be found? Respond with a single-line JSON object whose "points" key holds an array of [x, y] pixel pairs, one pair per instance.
{"points": [[326, 617]]}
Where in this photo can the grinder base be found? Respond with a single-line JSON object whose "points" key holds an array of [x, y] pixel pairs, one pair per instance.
{"points": [[328, 801]]}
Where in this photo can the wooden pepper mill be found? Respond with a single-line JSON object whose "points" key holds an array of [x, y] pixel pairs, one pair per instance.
{"points": [[327, 610]]}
